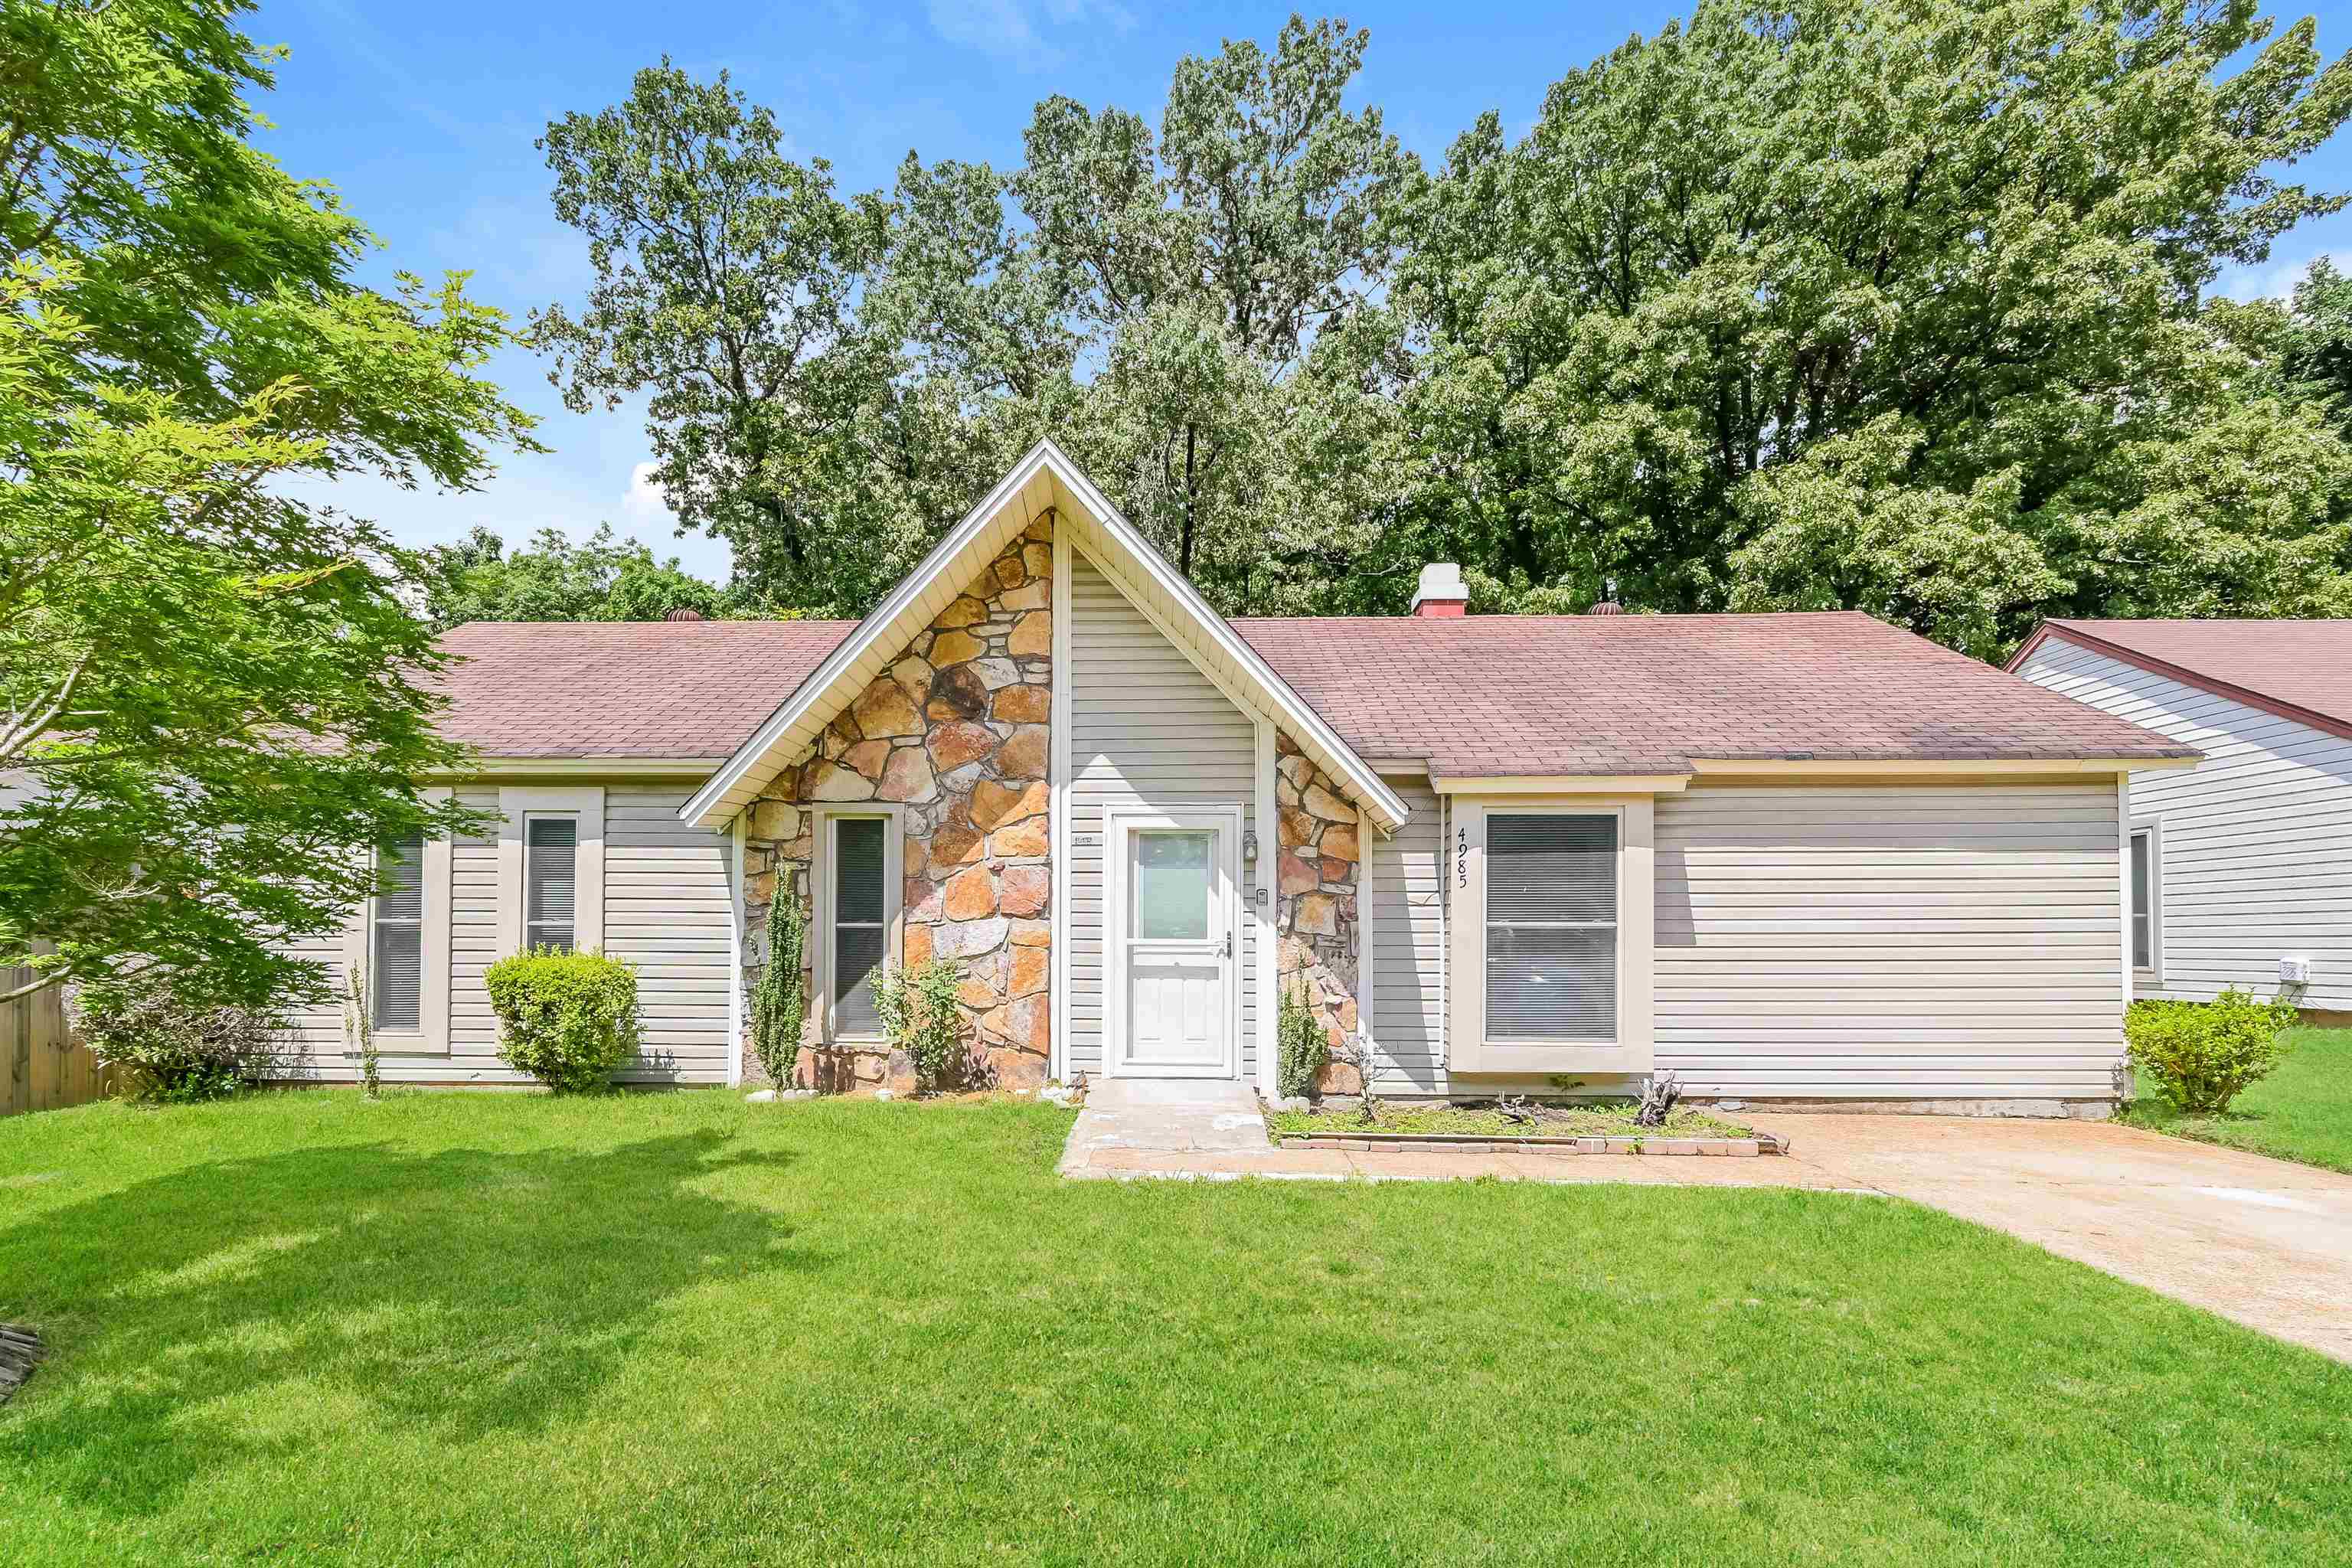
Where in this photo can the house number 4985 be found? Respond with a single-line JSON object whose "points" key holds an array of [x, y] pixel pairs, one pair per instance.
{"points": [[1462, 858]]}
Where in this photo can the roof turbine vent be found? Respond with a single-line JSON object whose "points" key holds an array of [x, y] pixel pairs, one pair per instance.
{"points": [[683, 615]]}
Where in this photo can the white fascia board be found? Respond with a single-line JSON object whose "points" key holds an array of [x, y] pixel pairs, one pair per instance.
{"points": [[492, 767], [1308, 726], [712, 805]]}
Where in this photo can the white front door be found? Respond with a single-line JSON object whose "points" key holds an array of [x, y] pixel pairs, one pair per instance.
{"points": [[1174, 927]]}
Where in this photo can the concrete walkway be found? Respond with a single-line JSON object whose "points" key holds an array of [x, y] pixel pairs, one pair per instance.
{"points": [[2262, 1241]]}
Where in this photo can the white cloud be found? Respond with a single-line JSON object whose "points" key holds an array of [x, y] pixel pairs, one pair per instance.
{"points": [[1017, 29], [645, 501], [2276, 279]]}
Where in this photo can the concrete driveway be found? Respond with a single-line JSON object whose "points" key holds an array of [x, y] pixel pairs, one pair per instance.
{"points": [[2262, 1241]]}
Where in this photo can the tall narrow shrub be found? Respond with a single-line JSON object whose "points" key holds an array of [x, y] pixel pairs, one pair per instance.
{"points": [[1301, 1047], [780, 999]]}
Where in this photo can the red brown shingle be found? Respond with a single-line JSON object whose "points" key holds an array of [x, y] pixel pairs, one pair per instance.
{"points": [[1492, 695], [1483, 695], [599, 689], [2302, 668]]}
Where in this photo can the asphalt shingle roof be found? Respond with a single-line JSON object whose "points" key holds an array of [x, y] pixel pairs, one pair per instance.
{"points": [[2302, 664], [1475, 696], [629, 688], [1486, 695]]}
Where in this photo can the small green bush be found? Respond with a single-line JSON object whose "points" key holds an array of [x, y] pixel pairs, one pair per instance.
{"points": [[568, 1019], [173, 1046], [1301, 1048], [2202, 1054], [918, 1012]]}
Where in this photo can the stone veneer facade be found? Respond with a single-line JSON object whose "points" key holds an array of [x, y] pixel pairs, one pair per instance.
{"points": [[956, 733], [1316, 908]]}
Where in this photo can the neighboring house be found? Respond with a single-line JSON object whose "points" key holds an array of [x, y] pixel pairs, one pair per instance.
{"points": [[2240, 866], [1799, 857]]}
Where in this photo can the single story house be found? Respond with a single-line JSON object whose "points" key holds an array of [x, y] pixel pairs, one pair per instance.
{"points": [[1788, 857], [2242, 866]]}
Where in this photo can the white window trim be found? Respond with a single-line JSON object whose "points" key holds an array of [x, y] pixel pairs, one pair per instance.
{"points": [[515, 805], [2153, 970], [1119, 822], [894, 925], [1468, 1051], [430, 1036]]}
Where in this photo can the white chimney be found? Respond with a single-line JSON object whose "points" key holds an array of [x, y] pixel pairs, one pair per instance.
{"points": [[1441, 591]]}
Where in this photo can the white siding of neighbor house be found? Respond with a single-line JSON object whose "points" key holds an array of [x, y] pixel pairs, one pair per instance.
{"points": [[2255, 841], [1887, 941], [1147, 729], [1403, 897], [665, 910]]}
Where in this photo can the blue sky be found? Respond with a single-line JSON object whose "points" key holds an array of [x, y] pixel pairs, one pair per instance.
{"points": [[424, 116]]}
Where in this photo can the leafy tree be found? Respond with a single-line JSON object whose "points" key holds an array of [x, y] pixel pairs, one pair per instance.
{"points": [[599, 579], [727, 282], [1768, 268], [209, 713], [1899, 304], [1204, 264]]}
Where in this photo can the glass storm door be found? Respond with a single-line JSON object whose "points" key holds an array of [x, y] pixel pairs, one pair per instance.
{"points": [[1176, 936]]}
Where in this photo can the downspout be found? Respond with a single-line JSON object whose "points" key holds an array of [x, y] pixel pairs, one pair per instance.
{"points": [[1444, 935]]}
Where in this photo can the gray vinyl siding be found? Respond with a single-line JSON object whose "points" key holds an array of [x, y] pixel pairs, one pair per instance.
{"points": [[1887, 942], [1147, 729], [2255, 841], [315, 1034], [474, 942], [665, 909], [1402, 894]]}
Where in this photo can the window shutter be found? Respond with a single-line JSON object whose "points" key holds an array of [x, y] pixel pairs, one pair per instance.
{"points": [[551, 872], [859, 900], [398, 950], [1551, 927]]}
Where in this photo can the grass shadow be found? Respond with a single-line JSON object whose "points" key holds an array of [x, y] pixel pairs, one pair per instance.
{"points": [[215, 1315]]}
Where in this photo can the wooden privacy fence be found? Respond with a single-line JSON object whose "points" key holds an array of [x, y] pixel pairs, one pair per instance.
{"points": [[46, 1067]]}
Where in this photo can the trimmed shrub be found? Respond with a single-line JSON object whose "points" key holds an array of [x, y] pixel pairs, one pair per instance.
{"points": [[1301, 1048], [568, 1019], [174, 1048], [2202, 1054]]}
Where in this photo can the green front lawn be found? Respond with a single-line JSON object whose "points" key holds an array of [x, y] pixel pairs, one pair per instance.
{"points": [[2302, 1112], [672, 1328]]}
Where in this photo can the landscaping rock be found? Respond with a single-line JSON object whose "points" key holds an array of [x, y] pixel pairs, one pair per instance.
{"points": [[20, 1348]]}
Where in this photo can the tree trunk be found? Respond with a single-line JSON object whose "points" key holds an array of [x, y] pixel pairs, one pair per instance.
{"points": [[1192, 506]]}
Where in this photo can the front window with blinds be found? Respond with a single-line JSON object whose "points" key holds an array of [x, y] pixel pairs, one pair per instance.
{"points": [[398, 946], [860, 920], [1551, 927], [550, 881]]}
